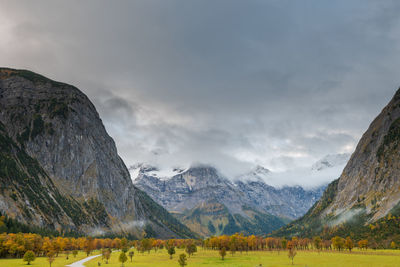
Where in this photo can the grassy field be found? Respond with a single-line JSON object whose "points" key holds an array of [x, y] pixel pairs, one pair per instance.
{"points": [[60, 261], [384, 258], [379, 258]]}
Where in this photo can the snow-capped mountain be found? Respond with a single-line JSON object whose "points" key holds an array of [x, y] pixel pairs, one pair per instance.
{"points": [[284, 201], [187, 188], [259, 173], [331, 161], [199, 189], [205, 201], [163, 174]]}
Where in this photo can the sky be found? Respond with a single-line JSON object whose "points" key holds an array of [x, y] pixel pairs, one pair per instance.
{"points": [[229, 83]]}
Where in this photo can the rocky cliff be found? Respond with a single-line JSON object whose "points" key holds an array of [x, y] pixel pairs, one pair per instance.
{"points": [[57, 126], [369, 187]]}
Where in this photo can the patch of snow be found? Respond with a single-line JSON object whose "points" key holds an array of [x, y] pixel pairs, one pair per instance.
{"points": [[330, 161], [147, 169]]}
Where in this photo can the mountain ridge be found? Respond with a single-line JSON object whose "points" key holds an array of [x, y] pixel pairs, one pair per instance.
{"points": [[196, 189], [369, 188], [57, 125]]}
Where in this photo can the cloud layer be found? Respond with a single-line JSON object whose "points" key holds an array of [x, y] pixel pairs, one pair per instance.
{"points": [[231, 83]]}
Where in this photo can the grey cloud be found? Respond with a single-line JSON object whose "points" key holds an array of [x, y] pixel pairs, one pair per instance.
{"points": [[232, 83]]}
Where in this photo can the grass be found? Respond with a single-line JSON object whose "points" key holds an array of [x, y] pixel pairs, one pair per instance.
{"points": [[203, 258], [60, 261], [381, 258]]}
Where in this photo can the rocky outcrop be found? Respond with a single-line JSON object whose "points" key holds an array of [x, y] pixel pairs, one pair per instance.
{"points": [[371, 178], [57, 125], [369, 187]]}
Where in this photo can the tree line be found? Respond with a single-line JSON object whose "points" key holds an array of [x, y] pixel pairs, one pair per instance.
{"points": [[34, 245], [241, 243], [16, 245]]}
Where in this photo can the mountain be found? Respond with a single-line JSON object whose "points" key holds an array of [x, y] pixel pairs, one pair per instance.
{"points": [[331, 161], [60, 168], [289, 202], [367, 194], [205, 201], [209, 203]]}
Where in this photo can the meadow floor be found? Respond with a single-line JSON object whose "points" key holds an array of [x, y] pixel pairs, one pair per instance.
{"points": [[379, 258], [60, 261], [370, 258]]}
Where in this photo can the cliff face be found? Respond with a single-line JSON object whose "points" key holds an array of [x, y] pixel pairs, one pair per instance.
{"points": [[371, 177], [369, 187], [57, 125], [29, 195]]}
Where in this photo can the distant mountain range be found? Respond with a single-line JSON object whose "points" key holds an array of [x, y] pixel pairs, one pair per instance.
{"points": [[209, 203], [60, 169]]}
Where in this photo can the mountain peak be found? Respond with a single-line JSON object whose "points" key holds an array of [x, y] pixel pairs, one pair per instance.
{"points": [[60, 134], [331, 160]]}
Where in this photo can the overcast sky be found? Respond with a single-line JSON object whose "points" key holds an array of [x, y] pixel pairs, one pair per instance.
{"points": [[231, 83]]}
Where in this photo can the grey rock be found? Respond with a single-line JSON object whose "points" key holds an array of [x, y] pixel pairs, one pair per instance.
{"points": [[57, 124]]}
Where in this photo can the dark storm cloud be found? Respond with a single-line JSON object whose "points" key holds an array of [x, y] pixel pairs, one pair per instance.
{"points": [[233, 83]]}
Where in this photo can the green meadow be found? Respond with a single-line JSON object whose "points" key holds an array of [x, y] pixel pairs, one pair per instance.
{"points": [[378, 258], [357, 258], [60, 261]]}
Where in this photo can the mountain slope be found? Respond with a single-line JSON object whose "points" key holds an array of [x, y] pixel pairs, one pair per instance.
{"points": [[369, 187], [57, 126], [27, 193], [213, 218], [288, 202], [209, 203], [206, 202]]}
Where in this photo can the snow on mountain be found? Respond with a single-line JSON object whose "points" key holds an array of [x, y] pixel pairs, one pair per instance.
{"points": [[186, 189], [331, 161], [285, 194], [259, 173], [320, 173], [161, 173]]}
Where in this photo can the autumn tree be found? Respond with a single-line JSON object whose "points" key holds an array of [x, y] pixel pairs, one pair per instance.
{"points": [[29, 256], [363, 244], [284, 243], [317, 242], [88, 245], [107, 255], [270, 242], [338, 242], [291, 250], [51, 257], [222, 252], [232, 248], [146, 244], [124, 245], [122, 258], [171, 251], [191, 249], [131, 253], [349, 244], [75, 252], [182, 260]]}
